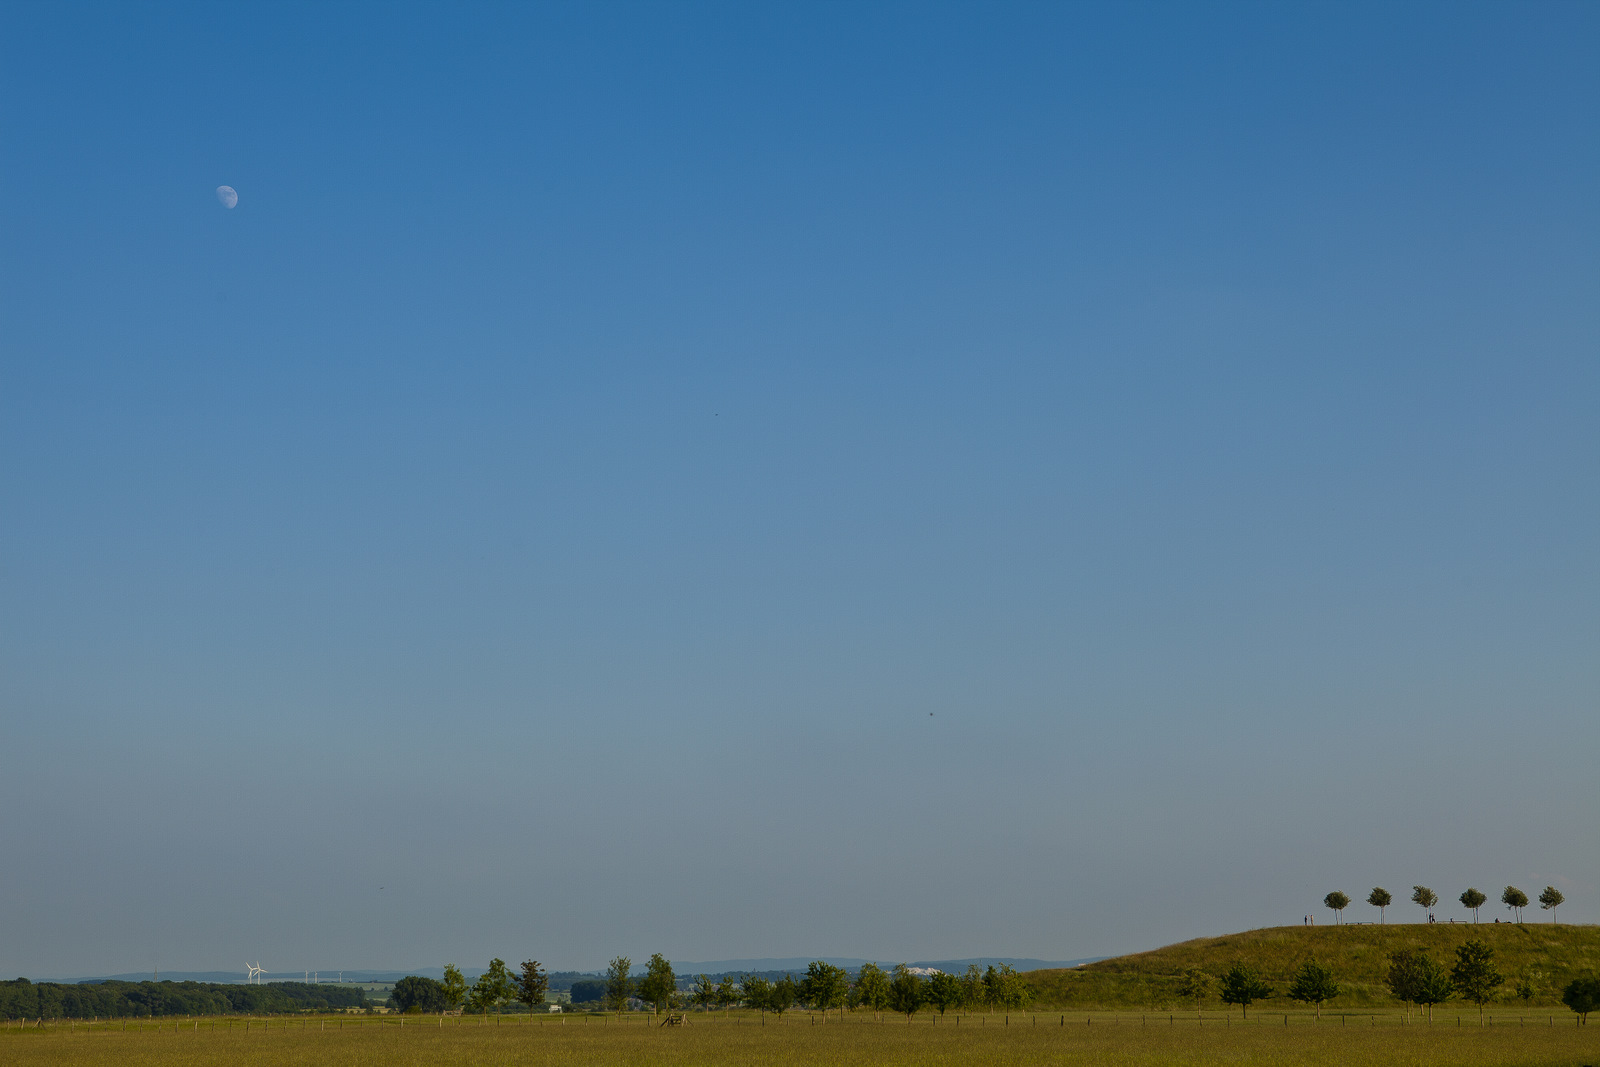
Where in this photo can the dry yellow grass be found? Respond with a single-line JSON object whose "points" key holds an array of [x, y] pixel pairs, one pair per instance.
{"points": [[798, 1041]]}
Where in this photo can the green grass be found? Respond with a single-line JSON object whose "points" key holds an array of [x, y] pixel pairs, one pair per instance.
{"points": [[1357, 954], [1106, 1040]]}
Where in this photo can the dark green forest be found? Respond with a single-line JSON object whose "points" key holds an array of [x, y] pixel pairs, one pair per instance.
{"points": [[22, 999]]}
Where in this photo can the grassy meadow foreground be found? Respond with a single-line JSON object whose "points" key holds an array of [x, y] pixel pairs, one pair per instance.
{"points": [[1122, 1038]]}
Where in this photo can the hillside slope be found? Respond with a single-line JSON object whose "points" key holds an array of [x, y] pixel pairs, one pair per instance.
{"points": [[1358, 955]]}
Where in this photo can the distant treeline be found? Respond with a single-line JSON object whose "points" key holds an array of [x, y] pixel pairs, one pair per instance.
{"points": [[22, 999], [588, 989]]}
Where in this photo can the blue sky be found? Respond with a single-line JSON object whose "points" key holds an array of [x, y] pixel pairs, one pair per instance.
{"points": [[898, 481]]}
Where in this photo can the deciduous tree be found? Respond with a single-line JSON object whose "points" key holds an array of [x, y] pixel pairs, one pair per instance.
{"points": [[905, 990], [757, 993], [658, 983], [1433, 984], [1379, 898], [414, 994], [493, 987], [588, 991], [455, 986], [1472, 900], [1243, 985], [943, 991], [619, 987], [1313, 984], [1337, 902], [1474, 975], [872, 987], [531, 985], [824, 986], [1515, 899], [1550, 900], [1582, 995], [705, 993], [972, 987], [1424, 898], [785, 991], [1404, 976], [728, 992], [1194, 984], [1005, 986]]}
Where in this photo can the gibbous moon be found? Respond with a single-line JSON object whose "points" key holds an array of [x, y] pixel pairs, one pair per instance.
{"points": [[228, 197]]}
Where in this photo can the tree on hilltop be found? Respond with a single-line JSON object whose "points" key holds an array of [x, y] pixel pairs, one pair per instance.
{"points": [[531, 985], [1313, 984], [1379, 898], [1424, 898], [1472, 900], [1337, 902], [1474, 975], [1515, 899], [1550, 900], [1243, 985]]}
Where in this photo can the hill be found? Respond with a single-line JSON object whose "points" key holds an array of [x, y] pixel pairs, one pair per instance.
{"points": [[239, 977], [1358, 955], [22, 999], [776, 967]]}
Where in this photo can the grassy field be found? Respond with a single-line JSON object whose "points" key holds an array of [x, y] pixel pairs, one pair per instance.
{"points": [[1542, 1040], [1358, 955], [1363, 1026]]}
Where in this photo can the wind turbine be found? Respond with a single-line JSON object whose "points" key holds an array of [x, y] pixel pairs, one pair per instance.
{"points": [[255, 973]]}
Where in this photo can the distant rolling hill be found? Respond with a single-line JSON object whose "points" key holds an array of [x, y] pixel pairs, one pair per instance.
{"points": [[229, 977], [1358, 955], [564, 979], [799, 963]]}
